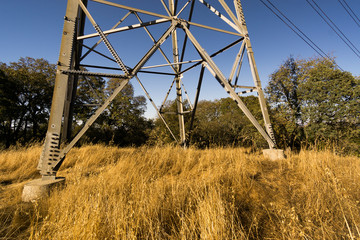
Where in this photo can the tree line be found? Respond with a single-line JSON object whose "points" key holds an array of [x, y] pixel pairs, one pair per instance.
{"points": [[310, 102]]}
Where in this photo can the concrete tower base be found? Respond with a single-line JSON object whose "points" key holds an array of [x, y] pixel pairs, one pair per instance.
{"points": [[39, 188], [274, 154]]}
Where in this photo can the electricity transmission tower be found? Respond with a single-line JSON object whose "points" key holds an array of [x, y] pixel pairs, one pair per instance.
{"points": [[178, 43]]}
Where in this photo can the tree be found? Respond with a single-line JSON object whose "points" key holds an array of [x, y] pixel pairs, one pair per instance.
{"points": [[285, 102], [8, 108], [217, 123], [331, 104], [122, 123], [26, 97], [26, 90], [312, 100]]}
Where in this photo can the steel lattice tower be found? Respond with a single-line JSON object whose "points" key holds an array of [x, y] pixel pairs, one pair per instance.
{"points": [[176, 18]]}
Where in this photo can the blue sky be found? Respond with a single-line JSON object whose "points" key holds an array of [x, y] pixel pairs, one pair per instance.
{"points": [[33, 28]]}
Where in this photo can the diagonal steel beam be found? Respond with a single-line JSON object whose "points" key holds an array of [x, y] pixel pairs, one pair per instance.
{"points": [[214, 54], [215, 29], [97, 52], [153, 39], [237, 62], [183, 8], [98, 42], [156, 109], [104, 38], [132, 9], [201, 76], [166, 8], [217, 13], [167, 95], [126, 28], [100, 110], [232, 16]]}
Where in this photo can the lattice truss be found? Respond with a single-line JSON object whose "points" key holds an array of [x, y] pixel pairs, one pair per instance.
{"points": [[150, 39]]}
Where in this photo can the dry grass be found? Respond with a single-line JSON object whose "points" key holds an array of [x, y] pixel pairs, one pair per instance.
{"points": [[171, 193]]}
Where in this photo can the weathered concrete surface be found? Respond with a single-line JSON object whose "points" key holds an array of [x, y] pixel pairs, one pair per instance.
{"points": [[39, 188], [274, 154]]}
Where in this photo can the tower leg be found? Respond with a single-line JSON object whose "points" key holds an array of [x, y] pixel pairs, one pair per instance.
{"points": [[51, 150], [180, 112], [179, 100]]}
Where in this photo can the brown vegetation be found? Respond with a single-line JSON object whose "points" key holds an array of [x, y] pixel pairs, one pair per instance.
{"points": [[172, 193]]}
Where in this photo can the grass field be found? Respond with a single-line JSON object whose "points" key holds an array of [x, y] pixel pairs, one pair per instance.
{"points": [[172, 193]]}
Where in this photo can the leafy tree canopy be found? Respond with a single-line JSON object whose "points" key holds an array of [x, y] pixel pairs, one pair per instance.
{"points": [[313, 100]]}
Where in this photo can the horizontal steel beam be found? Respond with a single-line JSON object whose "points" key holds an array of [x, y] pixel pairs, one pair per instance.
{"points": [[131, 9], [171, 64], [122, 29], [85, 73]]}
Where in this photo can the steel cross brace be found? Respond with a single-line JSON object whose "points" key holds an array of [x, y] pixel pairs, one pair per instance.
{"points": [[52, 156]]}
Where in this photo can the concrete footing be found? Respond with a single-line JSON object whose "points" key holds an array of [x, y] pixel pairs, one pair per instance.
{"points": [[274, 154], [39, 188]]}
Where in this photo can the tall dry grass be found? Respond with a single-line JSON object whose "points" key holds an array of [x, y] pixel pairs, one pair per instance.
{"points": [[172, 193]]}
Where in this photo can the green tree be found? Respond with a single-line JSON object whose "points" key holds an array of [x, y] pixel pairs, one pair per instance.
{"points": [[89, 95], [8, 108], [123, 122], [331, 104], [311, 100], [221, 122], [28, 89], [285, 102], [216, 123]]}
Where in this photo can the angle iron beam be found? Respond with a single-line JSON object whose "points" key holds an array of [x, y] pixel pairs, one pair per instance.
{"points": [[159, 73], [66, 130], [131, 9], [232, 16], [217, 13], [99, 53], [169, 64], [183, 8], [126, 28], [99, 41], [237, 61], [167, 94], [185, 37], [166, 7], [215, 29], [179, 102], [201, 76], [91, 120], [239, 86], [214, 54], [152, 50], [50, 153], [104, 38], [254, 71], [140, 71], [153, 39], [86, 73], [156, 109], [247, 91], [240, 65], [186, 94]]}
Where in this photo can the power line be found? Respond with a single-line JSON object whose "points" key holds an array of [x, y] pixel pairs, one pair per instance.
{"points": [[299, 33], [342, 36], [352, 14]]}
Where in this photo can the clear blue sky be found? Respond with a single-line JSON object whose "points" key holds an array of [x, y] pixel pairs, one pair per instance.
{"points": [[33, 28]]}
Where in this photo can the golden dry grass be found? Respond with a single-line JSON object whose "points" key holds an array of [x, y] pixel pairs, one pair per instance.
{"points": [[172, 193]]}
